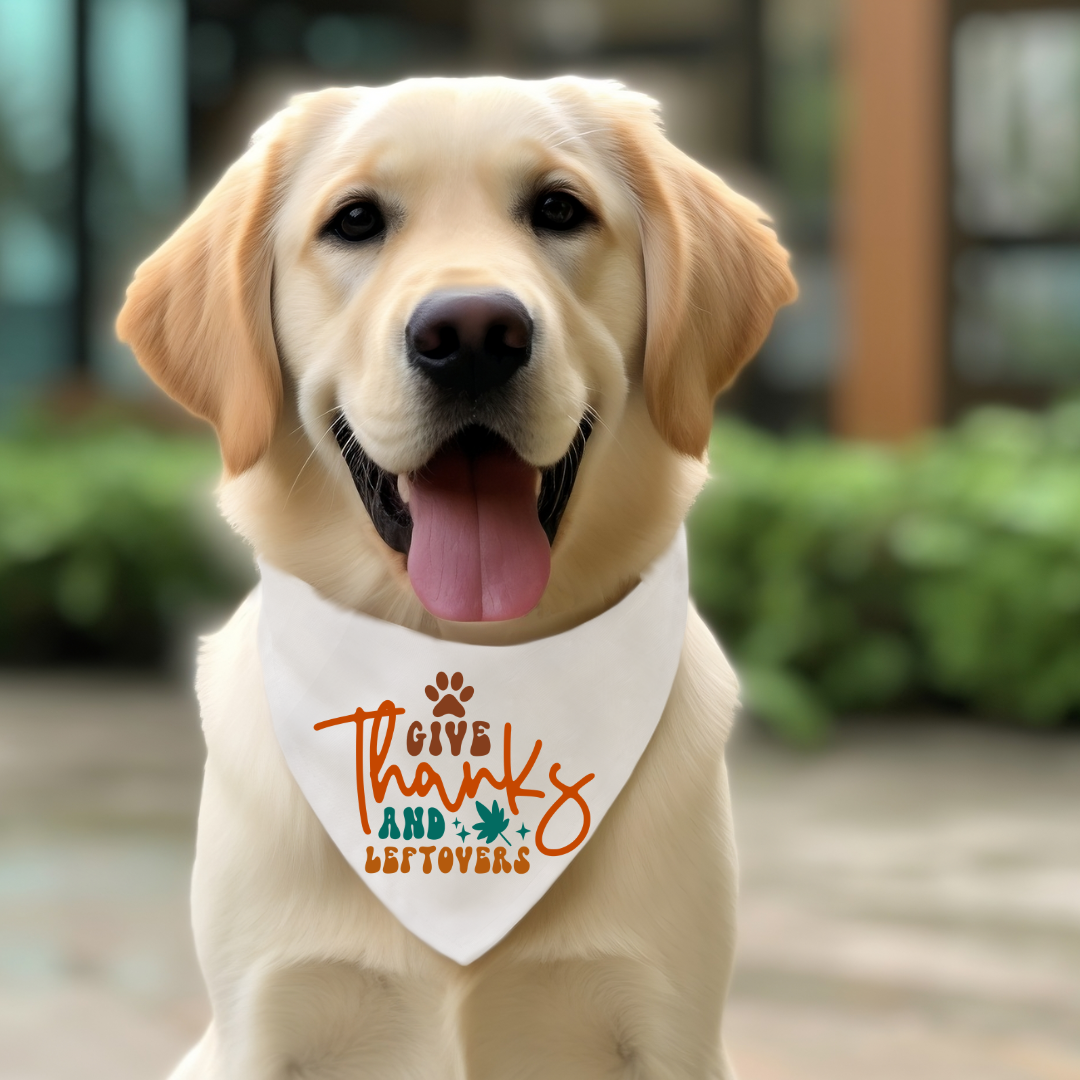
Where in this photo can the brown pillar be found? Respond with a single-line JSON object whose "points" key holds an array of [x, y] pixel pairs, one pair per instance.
{"points": [[893, 218]]}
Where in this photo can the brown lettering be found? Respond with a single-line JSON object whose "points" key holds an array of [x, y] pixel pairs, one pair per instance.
{"points": [[427, 852], [481, 743], [414, 740], [390, 865], [406, 854], [446, 860], [436, 741], [498, 861], [463, 855], [456, 734], [521, 863], [373, 861], [483, 864]]}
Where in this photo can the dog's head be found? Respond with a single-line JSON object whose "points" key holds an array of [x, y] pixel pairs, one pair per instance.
{"points": [[460, 340]]}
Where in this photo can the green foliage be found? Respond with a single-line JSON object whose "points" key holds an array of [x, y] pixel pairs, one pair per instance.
{"points": [[842, 578], [109, 544], [848, 578], [492, 822]]}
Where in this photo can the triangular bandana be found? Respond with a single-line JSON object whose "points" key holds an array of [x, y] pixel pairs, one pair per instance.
{"points": [[461, 780]]}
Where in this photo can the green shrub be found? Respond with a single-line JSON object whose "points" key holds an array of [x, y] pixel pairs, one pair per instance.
{"points": [[848, 578], [842, 578], [109, 544]]}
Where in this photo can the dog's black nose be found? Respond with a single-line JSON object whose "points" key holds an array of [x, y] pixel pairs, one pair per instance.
{"points": [[469, 341]]}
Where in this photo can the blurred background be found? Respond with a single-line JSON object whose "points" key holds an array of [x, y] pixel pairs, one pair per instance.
{"points": [[890, 549]]}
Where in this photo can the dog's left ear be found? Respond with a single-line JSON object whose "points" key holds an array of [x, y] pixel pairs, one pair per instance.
{"points": [[715, 276]]}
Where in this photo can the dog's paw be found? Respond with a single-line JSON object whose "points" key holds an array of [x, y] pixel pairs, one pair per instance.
{"points": [[449, 702]]}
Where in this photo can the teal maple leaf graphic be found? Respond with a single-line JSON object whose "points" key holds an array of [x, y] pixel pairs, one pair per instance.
{"points": [[492, 822]]}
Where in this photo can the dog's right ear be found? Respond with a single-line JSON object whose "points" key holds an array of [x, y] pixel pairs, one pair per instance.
{"points": [[198, 312]]}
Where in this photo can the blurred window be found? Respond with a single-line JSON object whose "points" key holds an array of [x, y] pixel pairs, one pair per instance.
{"points": [[1017, 117], [789, 385], [37, 265], [1016, 201], [137, 167], [1017, 317], [73, 224]]}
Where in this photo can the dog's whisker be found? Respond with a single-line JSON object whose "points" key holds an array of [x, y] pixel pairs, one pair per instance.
{"points": [[300, 472], [332, 411], [596, 418]]}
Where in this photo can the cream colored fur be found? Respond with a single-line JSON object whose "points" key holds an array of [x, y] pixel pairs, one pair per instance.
{"points": [[253, 321]]}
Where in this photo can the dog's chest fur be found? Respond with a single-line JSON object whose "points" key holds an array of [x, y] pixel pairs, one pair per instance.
{"points": [[614, 972]]}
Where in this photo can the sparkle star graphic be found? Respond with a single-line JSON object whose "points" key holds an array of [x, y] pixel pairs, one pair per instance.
{"points": [[523, 830], [457, 824], [464, 834]]}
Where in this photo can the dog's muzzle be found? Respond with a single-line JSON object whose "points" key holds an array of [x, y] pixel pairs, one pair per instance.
{"points": [[476, 522]]}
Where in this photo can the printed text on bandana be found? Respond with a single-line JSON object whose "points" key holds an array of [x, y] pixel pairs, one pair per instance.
{"points": [[454, 778]]}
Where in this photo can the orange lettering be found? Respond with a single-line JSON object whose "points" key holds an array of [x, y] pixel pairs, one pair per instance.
{"points": [[387, 709], [513, 783], [406, 854], [373, 861], [463, 856], [426, 852], [425, 778], [573, 791], [482, 864], [498, 861]]}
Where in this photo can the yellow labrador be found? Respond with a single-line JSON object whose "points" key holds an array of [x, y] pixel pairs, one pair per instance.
{"points": [[519, 295]]}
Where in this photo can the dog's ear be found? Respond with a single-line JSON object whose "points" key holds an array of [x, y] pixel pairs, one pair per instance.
{"points": [[715, 275], [198, 312]]}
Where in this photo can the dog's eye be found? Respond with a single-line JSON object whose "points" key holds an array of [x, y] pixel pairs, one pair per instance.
{"points": [[358, 221], [558, 210]]}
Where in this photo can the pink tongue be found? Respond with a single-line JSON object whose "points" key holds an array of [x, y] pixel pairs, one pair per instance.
{"points": [[478, 551]]}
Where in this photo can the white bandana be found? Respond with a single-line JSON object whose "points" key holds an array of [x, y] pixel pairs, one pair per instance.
{"points": [[460, 780]]}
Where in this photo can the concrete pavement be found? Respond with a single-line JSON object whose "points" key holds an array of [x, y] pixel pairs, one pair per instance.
{"points": [[910, 901]]}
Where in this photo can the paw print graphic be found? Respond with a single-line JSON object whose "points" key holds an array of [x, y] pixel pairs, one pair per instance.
{"points": [[449, 702]]}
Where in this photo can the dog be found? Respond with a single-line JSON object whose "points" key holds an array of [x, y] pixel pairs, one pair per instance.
{"points": [[525, 279]]}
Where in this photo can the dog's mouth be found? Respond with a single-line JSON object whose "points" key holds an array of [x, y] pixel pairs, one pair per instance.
{"points": [[475, 524]]}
